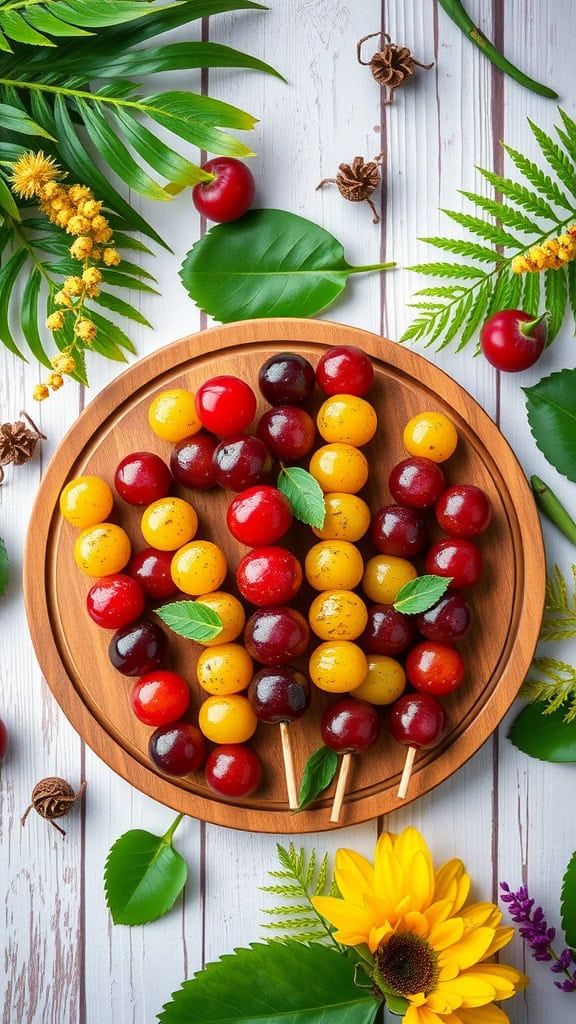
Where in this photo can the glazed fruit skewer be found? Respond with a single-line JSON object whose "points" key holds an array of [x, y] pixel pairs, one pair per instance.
{"points": [[280, 695], [349, 727], [418, 721]]}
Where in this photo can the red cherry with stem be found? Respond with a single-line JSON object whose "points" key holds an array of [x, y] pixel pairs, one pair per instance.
{"points": [[418, 721], [160, 697], [3, 739], [259, 515], [345, 370], [142, 478], [229, 195], [457, 558], [225, 405], [434, 668], [463, 511], [114, 601], [233, 770], [178, 748], [512, 340], [279, 694]]}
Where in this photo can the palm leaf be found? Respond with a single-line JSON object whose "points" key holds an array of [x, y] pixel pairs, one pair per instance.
{"points": [[29, 316], [9, 273], [179, 171], [15, 27], [484, 229], [14, 120], [41, 17], [122, 308]]}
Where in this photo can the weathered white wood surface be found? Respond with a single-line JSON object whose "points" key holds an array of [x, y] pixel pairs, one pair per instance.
{"points": [[506, 815]]}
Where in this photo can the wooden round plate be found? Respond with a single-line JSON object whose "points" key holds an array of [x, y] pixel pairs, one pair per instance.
{"points": [[72, 650]]}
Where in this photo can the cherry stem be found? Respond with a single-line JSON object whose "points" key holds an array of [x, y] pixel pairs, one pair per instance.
{"points": [[527, 328], [167, 837], [343, 774], [407, 772], [289, 767]]}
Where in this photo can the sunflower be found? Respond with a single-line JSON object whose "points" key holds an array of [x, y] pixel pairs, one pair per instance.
{"points": [[421, 939]]}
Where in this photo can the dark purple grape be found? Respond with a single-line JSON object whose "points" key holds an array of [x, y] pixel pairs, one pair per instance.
{"points": [[137, 648], [279, 694], [286, 377]]}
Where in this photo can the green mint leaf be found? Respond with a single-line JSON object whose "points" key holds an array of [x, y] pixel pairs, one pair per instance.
{"points": [[569, 903], [267, 263], [304, 494], [421, 593], [4, 568], [551, 408], [143, 876], [191, 619], [304, 984], [319, 770], [544, 735]]}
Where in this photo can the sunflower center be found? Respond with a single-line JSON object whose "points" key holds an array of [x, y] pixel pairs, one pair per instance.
{"points": [[406, 964]]}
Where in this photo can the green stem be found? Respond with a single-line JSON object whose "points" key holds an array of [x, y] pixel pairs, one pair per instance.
{"points": [[550, 505], [369, 267], [527, 329], [167, 837], [456, 12]]}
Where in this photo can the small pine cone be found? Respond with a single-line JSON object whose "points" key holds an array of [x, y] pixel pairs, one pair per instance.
{"points": [[40, 392], [63, 363], [53, 798]]}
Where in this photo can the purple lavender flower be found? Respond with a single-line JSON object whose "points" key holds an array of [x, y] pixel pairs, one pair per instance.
{"points": [[535, 931]]}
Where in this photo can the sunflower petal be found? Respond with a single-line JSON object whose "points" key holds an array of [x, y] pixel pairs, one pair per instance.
{"points": [[421, 1015], [438, 912], [354, 874], [419, 880], [389, 883], [477, 914], [505, 980], [489, 1014], [468, 990], [447, 933], [502, 936], [416, 923], [353, 923], [468, 951], [445, 878]]}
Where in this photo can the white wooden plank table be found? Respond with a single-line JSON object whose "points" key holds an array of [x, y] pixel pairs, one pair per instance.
{"points": [[506, 815]]}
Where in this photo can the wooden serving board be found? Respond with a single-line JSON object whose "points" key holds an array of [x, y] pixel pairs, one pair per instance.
{"points": [[72, 650]]}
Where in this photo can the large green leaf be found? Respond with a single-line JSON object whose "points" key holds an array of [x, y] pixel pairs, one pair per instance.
{"points": [[14, 120], [16, 28], [194, 118], [569, 903], [267, 263], [551, 407], [44, 19], [545, 736], [143, 876], [291, 981], [9, 272], [106, 12], [29, 316]]}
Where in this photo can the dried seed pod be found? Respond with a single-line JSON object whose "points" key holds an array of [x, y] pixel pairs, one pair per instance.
{"points": [[391, 66], [53, 798], [357, 181], [18, 442]]}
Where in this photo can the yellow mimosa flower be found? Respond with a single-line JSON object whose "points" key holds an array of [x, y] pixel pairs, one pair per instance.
{"points": [[31, 172]]}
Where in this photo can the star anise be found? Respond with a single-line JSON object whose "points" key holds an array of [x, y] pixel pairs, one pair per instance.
{"points": [[357, 181], [392, 66], [18, 442]]}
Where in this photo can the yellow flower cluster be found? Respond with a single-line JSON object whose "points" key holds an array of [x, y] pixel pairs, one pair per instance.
{"points": [[549, 256], [73, 208]]}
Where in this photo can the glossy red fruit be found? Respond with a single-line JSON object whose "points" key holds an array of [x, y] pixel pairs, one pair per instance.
{"points": [[513, 340], [434, 668], [387, 631], [178, 748], [191, 461], [137, 648], [447, 621], [458, 558], [3, 739], [230, 195], [233, 770], [345, 370], [114, 601], [269, 575], [286, 378], [398, 530], [142, 478], [463, 511], [277, 635], [417, 482], [241, 461], [288, 432], [225, 405], [350, 726], [417, 720], [259, 515], [151, 570], [279, 694], [160, 697]]}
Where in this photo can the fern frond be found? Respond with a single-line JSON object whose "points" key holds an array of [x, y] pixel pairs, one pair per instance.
{"points": [[555, 685], [304, 878], [457, 314], [559, 621]]}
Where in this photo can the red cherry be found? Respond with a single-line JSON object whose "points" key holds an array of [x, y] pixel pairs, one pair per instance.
{"points": [[230, 195], [276, 636], [3, 739], [446, 621], [434, 668], [345, 370], [286, 378], [259, 515], [137, 648], [417, 482], [191, 461], [160, 697], [233, 770], [241, 461], [225, 405], [142, 478], [287, 431], [178, 748], [114, 601], [458, 558], [463, 511], [387, 631], [151, 569], [417, 720], [269, 575], [512, 340], [279, 694], [350, 726], [398, 530]]}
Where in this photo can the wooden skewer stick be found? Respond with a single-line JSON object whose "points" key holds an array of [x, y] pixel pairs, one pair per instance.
{"points": [[406, 773], [289, 767], [341, 787]]}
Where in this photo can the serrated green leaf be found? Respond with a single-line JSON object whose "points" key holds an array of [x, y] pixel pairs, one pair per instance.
{"points": [[462, 248], [557, 159], [504, 214], [452, 291], [538, 179], [191, 619], [231, 991], [476, 316], [556, 298], [143, 876], [304, 494], [506, 293], [267, 263], [551, 408], [568, 905], [421, 593], [319, 771], [4, 568], [459, 313], [484, 229], [455, 270], [544, 736], [524, 197], [531, 294]]}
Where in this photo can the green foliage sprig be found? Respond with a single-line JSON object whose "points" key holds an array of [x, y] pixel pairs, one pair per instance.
{"points": [[4, 568], [299, 879], [66, 87], [520, 215]]}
